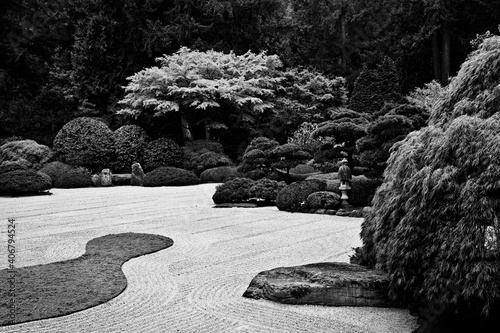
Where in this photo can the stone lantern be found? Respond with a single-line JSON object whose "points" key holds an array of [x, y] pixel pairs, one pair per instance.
{"points": [[345, 177]]}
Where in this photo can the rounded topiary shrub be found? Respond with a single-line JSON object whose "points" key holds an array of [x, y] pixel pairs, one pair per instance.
{"points": [[162, 152], [235, 190], [208, 160], [266, 190], [323, 200], [292, 197], [26, 152], [11, 166], [24, 182], [170, 176], [55, 170], [203, 146], [85, 142], [130, 143], [74, 178], [219, 174], [262, 143]]}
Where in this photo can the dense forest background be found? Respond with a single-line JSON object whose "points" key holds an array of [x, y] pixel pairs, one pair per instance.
{"points": [[63, 59]]}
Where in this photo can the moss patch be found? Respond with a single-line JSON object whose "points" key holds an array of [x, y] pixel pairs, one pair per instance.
{"points": [[65, 287]]}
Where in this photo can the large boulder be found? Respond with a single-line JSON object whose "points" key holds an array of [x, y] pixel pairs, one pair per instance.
{"points": [[292, 198], [24, 182], [26, 152], [334, 284]]}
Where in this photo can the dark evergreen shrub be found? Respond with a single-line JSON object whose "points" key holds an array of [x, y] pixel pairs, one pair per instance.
{"points": [[323, 200], [303, 169], [234, 190], [219, 174], [434, 226], [375, 87], [261, 143], [131, 142], [170, 176], [292, 197], [74, 178], [208, 160], [24, 182], [362, 190], [265, 190], [203, 146], [287, 156], [11, 166], [55, 170], [85, 142], [161, 153], [26, 152]]}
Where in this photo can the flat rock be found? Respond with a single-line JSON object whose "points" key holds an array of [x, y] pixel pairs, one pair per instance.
{"points": [[334, 284]]}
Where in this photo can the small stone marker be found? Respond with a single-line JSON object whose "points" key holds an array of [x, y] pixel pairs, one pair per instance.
{"points": [[106, 178], [137, 175]]}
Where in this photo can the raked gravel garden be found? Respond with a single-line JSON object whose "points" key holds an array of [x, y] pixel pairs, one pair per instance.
{"points": [[196, 285]]}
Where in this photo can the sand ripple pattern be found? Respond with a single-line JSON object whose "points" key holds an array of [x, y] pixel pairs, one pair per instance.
{"points": [[195, 285]]}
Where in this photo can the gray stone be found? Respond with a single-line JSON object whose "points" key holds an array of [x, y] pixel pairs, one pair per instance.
{"points": [[106, 179], [137, 175], [334, 284], [96, 180]]}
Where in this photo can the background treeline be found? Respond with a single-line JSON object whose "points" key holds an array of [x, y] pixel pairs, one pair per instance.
{"points": [[63, 59]]}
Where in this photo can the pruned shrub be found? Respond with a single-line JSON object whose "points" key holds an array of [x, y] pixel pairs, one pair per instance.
{"points": [[170, 176], [11, 166], [203, 146], [130, 143], [303, 169], [265, 190], [323, 200], [292, 197], [55, 170], [219, 174], [26, 152], [162, 152], [24, 182], [235, 190], [74, 178], [287, 156], [261, 143], [428, 226], [208, 160], [85, 142]]}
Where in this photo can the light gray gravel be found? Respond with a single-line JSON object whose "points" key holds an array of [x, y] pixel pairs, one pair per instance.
{"points": [[195, 285]]}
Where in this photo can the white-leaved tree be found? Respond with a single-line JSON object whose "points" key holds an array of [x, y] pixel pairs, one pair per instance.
{"points": [[190, 80]]}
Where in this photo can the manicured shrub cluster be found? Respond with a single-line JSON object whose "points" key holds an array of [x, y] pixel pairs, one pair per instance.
{"points": [[130, 143], [240, 190], [292, 198], [208, 160], [203, 146], [261, 143], [74, 178], [24, 182], [85, 142], [288, 156], [11, 166], [26, 152], [322, 200], [55, 170], [162, 152], [219, 174], [170, 176], [256, 161]]}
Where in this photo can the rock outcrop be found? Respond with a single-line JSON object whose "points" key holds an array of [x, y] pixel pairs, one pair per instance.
{"points": [[335, 284]]}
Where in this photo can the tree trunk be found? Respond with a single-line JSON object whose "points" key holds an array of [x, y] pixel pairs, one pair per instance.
{"points": [[445, 74], [436, 56], [186, 131]]}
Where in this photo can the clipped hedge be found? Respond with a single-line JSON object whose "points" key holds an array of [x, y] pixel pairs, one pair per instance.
{"points": [[208, 160], [24, 182], [203, 146], [170, 176], [219, 174], [74, 178], [55, 170], [292, 198], [162, 152], [235, 190], [241, 190], [85, 142], [130, 143], [11, 166], [26, 152]]}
